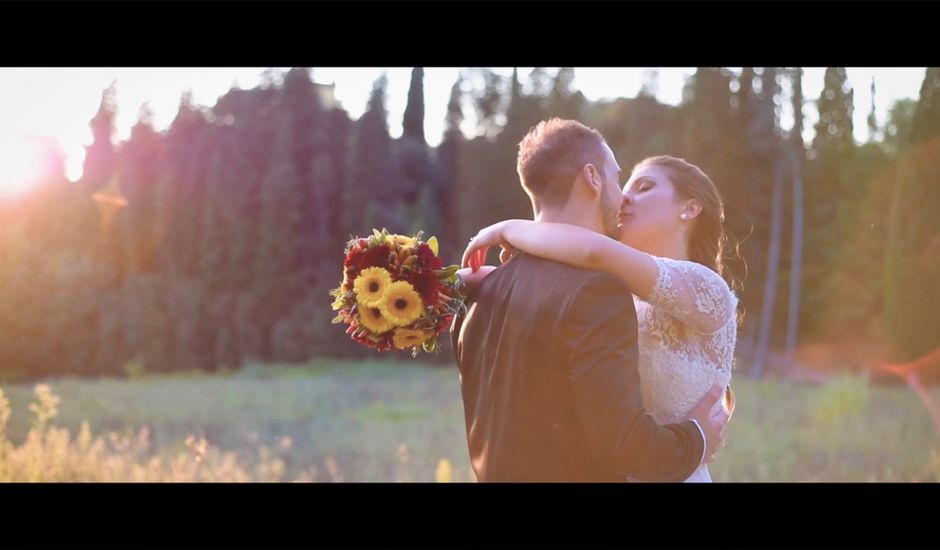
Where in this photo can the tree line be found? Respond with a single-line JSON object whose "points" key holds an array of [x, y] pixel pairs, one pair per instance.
{"points": [[216, 241]]}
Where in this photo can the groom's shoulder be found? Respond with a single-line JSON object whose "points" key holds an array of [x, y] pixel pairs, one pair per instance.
{"points": [[524, 261], [564, 277]]}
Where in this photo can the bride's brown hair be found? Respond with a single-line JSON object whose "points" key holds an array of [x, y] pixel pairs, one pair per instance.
{"points": [[709, 242]]}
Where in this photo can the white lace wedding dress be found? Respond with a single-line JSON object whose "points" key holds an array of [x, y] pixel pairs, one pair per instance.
{"points": [[687, 331]]}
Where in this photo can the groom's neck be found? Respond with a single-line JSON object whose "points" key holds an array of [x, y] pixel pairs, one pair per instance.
{"points": [[570, 216]]}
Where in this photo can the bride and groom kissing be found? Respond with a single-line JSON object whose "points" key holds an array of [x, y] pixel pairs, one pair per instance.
{"points": [[600, 350]]}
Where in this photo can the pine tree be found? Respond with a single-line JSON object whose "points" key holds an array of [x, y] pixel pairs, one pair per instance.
{"points": [[897, 128], [797, 159], [835, 104], [412, 150], [539, 82], [650, 84], [101, 156], [912, 262], [276, 277], [709, 121], [374, 187], [413, 123], [927, 113], [448, 155], [142, 161], [831, 153], [563, 100], [766, 148], [489, 103]]}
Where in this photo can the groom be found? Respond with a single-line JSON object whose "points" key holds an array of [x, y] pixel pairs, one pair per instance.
{"points": [[548, 352]]}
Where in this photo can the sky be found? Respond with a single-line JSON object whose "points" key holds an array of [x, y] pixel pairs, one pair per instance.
{"points": [[59, 102]]}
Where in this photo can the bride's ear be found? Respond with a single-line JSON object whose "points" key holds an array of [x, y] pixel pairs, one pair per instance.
{"points": [[692, 209]]}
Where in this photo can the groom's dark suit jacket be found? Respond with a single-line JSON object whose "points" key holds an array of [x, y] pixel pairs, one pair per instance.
{"points": [[548, 372]]}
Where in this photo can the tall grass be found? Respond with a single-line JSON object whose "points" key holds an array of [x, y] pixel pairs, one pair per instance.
{"points": [[50, 453], [393, 421]]}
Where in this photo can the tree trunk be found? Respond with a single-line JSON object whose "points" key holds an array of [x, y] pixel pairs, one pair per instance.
{"points": [[796, 250], [796, 253], [773, 264]]}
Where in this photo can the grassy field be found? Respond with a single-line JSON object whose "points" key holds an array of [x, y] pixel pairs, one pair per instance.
{"points": [[395, 421]]}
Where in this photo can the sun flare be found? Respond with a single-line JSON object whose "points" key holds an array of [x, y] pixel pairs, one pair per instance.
{"points": [[20, 165]]}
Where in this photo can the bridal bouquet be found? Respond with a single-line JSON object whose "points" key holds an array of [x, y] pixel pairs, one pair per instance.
{"points": [[395, 293]]}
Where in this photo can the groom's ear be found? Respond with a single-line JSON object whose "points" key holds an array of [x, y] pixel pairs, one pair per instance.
{"points": [[591, 177]]}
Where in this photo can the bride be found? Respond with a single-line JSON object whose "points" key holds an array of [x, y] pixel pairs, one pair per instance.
{"points": [[670, 257]]}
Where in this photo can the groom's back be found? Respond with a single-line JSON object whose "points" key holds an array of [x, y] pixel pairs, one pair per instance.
{"points": [[514, 359]]}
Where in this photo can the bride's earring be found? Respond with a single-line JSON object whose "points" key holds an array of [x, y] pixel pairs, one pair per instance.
{"points": [[683, 216]]}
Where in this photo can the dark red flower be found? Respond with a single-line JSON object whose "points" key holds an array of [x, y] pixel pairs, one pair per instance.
{"points": [[427, 285], [351, 267], [427, 257], [353, 257], [377, 256], [349, 279]]}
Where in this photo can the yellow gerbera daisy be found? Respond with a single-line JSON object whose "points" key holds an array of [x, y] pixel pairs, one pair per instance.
{"points": [[404, 241], [401, 305], [405, 338], [371, 318], [370, 285]]}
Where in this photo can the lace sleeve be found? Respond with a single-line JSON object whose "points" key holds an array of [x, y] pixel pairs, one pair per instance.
{"points": [[693, 294]]}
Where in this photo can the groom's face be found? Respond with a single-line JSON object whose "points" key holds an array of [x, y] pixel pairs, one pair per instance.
{"points": [[611, 197]]}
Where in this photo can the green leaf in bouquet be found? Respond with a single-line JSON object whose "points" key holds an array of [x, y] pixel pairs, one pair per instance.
{"points": [[432, 243], [447, 272], [351, 243], [378, 237], [339, 319]]}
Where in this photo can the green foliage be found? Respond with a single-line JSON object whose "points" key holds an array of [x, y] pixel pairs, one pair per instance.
{"points": [[236, 215], [841, 400], [912, 259], [926, 122], [834, 189], [897, 128]]}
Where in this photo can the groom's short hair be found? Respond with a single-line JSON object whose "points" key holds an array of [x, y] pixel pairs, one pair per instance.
{"points": [[552, 154]]}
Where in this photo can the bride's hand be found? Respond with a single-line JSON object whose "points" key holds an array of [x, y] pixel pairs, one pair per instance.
{"points": [[475, 254]]}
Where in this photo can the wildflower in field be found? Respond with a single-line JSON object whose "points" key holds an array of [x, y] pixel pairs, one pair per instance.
{"points": [[444, 472]]}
